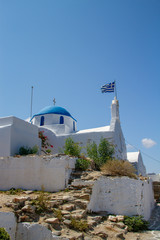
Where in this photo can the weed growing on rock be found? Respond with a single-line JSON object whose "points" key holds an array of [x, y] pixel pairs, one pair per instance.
{"points": [[79, 225], [58, 214], [135, 224], [41, 202]]}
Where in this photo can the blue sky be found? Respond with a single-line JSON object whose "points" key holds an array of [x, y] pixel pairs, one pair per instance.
{"points": [[68, 49]]}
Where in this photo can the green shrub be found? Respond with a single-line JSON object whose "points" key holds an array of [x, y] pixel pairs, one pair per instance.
{"points": [[26, 150], [4, 235], [72, 148], [135, 224], [82, 164], [100, 154], [92, 152], [79, 225], [105, 150], [118, 168]]}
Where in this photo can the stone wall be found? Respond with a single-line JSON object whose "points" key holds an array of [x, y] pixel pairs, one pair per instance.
{"points": [[34, 172], [124, 196]]}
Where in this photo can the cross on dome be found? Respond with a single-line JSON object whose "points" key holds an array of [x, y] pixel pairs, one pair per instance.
{"points": [[54, 101]]}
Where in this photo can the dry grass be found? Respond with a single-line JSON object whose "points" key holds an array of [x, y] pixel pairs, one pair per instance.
{"points": [[119, 168]]}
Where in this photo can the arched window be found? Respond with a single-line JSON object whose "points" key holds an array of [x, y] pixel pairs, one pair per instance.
{"points": [[42, 121], [61, 121], [74, 126]]}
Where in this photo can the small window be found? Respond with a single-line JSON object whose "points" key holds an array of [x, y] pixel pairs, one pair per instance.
{"points": [[42, 121], [73, 126], [61, 121]]}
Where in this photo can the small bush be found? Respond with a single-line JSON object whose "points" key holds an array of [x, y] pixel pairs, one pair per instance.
{"points": [[79, 225], [72, 148], [119, 168], [82, 164], [4, 235], [26, 150], [135, 224]]}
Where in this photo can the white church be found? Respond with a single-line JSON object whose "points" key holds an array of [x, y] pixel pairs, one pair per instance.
{"points": [[58, 124]]}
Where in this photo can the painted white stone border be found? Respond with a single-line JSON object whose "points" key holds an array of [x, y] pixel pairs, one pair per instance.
{"points": [[122, 196]]}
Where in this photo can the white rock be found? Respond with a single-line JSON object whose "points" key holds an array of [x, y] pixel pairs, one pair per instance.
{"points": [[123, 196], [52, 220], [27, 231]]}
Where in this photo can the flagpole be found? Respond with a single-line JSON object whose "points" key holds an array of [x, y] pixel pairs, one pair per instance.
{"points": [[31, 101], [115, 89]]}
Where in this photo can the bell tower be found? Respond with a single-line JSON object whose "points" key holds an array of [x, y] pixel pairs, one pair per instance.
{"points": [[115, 109]]}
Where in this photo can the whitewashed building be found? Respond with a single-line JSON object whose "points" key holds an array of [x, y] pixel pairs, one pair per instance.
{"points": [[58, 124]]}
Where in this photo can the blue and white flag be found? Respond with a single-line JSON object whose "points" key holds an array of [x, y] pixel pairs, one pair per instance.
{"points": [[109, 87]]}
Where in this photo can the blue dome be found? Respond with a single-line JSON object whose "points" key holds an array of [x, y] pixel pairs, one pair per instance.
{"points": [[54, 110]]}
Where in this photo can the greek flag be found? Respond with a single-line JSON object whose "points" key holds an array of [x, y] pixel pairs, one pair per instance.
{"points": [[109, 87]]}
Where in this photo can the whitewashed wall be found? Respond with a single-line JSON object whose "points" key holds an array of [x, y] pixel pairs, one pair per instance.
{"points": [[33, 172], [123, 195], [15, 133]]}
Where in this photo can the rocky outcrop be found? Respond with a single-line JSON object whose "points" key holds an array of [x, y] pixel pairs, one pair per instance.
{"points": [[62, 215]]}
